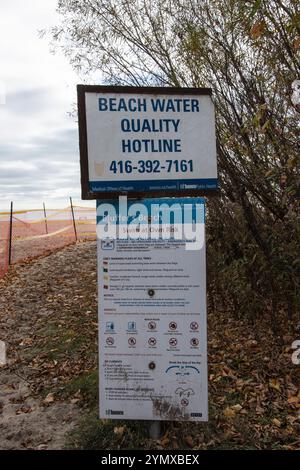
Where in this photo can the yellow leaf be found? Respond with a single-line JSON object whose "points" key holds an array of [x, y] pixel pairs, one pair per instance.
{"points": [[276, 422], [289, 430], [273, 383], [229, 412]]}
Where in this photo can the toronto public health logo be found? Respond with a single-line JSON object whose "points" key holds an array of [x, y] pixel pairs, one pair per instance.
{"points": [[172, 220]]}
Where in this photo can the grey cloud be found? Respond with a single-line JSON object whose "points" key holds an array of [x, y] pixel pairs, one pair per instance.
{"points": [[63, 145], [28, 101], [63, 142], [53, 164]]}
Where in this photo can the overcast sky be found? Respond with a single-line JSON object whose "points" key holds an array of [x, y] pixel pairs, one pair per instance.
{"points": [[39, 158]]}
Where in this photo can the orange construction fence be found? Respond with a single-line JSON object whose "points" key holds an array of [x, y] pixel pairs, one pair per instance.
{"points": [[27, 234]]}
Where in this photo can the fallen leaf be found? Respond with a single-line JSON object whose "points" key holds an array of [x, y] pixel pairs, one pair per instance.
{"points": [[293, 400], [119, 431], [49, 398], [258, 29], [164, 441], [229, 412], [26, 342], [75, 400], [273, 383], [24, 409], [189, 441], [7, 388], [276, 422], [236, 407], [42, 447], [296, 43]]}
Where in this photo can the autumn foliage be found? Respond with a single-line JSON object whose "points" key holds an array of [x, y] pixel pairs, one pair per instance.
{"points": [[248, 52]]}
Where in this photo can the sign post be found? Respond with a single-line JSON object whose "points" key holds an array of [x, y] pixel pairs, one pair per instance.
{"points": [[157, 147]]}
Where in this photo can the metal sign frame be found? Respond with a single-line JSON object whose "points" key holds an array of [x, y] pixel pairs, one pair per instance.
{"points": [[87, 193]]}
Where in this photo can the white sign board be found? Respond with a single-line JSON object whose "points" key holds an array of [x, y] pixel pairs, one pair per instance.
{"points": [[152, 327], [139, 140]]}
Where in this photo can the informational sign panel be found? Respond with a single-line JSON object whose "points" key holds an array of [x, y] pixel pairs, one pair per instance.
{"points": [[140, 141], [152, 318]]}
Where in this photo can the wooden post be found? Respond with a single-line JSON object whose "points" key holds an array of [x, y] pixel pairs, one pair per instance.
{"points": [[45, 217], [10, 234], [74, 223]]}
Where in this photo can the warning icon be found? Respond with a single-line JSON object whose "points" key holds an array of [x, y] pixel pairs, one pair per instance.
{"points": [[194, 341], [152, 341], [173, 325], [110, 341], [194, 326], [131, 341], [152, 325]]}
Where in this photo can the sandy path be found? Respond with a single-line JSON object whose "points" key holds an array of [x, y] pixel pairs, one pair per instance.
{"points": [[31, 296], [27, 423]]}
